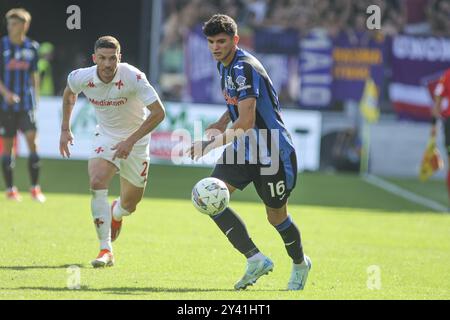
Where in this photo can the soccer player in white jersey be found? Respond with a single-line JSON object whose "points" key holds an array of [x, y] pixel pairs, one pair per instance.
{"points": [[122, 98]]}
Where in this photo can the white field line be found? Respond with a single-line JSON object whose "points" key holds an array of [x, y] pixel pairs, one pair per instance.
{"points": [[408, 195]]}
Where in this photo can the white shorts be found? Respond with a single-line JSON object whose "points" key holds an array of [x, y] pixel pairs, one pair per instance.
{"points": [[134, 168]]}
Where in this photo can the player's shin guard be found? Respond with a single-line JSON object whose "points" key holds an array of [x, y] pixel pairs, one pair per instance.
{"points": [[292, 240], [102, 218], [236, 232], [34, 165], [119, 212], [7, 168]]}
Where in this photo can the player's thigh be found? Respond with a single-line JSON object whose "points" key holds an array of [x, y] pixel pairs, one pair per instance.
{"points": [[235, 176], [8, 125], [30, 137], [26, 121], [135, 168], [274, 189], [8, 144], [101, 172], [130, 195]]}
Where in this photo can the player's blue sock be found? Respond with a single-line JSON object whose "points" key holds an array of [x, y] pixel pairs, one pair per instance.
{"points": [[236, 232], [7, 168], [292, 240], [33, 168]]}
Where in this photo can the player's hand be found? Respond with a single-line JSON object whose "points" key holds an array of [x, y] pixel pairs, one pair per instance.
{"points": [[198, 149], [11, 98], [123, 149], [215, 129], [64, 140]]}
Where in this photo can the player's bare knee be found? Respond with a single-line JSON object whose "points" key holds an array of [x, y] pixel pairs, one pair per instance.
{"points": [[276, 216], [128, 206], [274, 220], [98, 183]]}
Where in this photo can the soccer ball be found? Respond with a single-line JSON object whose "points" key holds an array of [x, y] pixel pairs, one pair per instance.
{"points": [[210, 196]]}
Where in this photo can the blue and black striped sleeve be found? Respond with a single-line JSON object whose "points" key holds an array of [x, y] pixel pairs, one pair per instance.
{"points": [[247, 81], [34, 61]]}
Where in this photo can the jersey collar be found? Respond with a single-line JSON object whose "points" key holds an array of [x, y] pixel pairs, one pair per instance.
{"points": [[236, 54], [116, 78]]}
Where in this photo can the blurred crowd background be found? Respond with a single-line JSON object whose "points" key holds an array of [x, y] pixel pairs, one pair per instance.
{"points": [[335, 18], [410, 16]]}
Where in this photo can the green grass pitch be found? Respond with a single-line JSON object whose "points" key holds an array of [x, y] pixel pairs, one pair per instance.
{"points": [[167, 250]]}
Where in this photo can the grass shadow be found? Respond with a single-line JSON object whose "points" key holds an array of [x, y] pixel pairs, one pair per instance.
{"points": [[122, 290], [22, 268]]}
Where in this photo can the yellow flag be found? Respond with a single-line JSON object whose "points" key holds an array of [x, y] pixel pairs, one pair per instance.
{"points": [[431, 161], [369, 102]]}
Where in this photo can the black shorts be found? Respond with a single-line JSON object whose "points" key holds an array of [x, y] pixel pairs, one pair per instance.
{"points": [[447, 134], [11, 122], [274, 189]]}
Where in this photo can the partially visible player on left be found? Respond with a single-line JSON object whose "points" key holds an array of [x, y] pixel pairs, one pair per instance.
{"points": [[122, 98], [19, 90]]}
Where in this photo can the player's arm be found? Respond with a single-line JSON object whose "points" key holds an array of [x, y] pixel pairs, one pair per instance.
{"points": [[66, 137], [36, 84], [245, 122], [219, 126], [10, 97], [157, 115]]}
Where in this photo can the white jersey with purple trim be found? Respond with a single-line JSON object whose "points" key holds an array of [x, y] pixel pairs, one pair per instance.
{"points": [[120, 105]]}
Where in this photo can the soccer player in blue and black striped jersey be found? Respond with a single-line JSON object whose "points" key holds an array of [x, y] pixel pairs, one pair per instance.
{"points": [[19, 83], [261, 152]]}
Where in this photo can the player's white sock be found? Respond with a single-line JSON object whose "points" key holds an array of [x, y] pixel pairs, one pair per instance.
{"points": [[119, 212], [256, 257], [102, 218]]}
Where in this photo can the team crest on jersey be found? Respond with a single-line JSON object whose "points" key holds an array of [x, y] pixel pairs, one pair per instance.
{"points": [[119, 84], [28, 54], [241, 81]]}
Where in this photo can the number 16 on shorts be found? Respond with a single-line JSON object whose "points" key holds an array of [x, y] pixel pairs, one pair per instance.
{"points": [[277, 189]]}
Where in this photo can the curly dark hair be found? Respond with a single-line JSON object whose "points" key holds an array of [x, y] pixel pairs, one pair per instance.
{"points": [[220, 23]]}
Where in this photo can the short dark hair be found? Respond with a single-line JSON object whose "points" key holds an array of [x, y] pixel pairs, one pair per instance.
{"points": [[220, 23], [19, 13], [107, 42]]}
